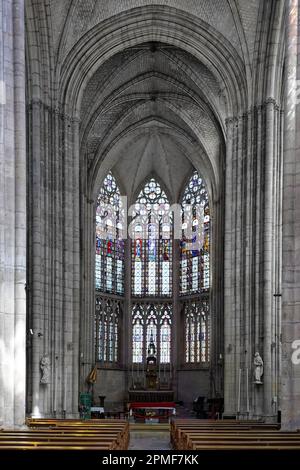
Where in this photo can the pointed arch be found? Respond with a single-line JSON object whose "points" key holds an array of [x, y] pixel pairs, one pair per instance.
{"points": [[195, 269], [152, 332], [107, 329], [195, 241], [110, 230], [152, 176], [151, 231]]}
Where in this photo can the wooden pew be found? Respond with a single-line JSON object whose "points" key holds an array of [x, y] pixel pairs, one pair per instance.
{"points": [[192, 441], [113, 440], [67, 434], [178, 427], [224, 435], [49, 446]]}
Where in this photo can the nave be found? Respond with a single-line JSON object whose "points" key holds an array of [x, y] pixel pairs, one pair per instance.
{"points": [[149, 230], [117, 435]]}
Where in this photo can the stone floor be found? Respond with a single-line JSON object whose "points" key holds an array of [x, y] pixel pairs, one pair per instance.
{"points": [[149, 440]]}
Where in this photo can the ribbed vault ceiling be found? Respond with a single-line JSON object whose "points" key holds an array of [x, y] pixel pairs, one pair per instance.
{"points": [[154, 110], [154, 107]]}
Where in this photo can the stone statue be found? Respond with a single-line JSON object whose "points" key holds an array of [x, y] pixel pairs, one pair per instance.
{"points": [[258, 368], [45, 368]]}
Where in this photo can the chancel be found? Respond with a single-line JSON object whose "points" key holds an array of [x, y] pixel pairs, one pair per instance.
{"points": [[149, 226]]}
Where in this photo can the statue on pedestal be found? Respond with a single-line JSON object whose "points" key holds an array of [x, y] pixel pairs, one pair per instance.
{"points": [[258, 368], [45, 368]]}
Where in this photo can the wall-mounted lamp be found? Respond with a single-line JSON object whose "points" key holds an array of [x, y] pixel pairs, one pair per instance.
{"points": [[32, 333]]}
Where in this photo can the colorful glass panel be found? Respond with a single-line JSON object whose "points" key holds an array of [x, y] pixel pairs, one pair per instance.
{"points": [[151, 323], [196, 323], [195, 242], [109, 263], [107, 318], [152, 244]]}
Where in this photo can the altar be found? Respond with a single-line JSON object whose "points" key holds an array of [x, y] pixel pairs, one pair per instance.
{"points": [[153, 396], [97, 412], [149, 412], [150, 397]]}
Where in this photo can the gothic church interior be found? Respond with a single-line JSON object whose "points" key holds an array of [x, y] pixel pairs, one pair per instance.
{"points": [[112, 112]]}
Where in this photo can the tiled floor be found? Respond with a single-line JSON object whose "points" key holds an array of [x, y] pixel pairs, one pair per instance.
{"points": [[149, 440]]}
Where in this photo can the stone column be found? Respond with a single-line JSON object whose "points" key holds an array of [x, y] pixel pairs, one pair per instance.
{"points": [[216, 295], [177, 353], [290, 401], [87, 305], [251, 259], [12, 214], [53, 265], [229, 386], [231, 315], [127, 318], [71, 257], [268, 265]]}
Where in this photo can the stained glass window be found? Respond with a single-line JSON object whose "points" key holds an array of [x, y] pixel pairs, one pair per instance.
{"points": [[107, 324], [151, 323], [151, 229], [195, 242], [109, 265], [196, 319], [165, 335], [138, 334]]}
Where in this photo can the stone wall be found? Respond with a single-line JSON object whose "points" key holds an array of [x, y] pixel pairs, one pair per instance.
{"points": [[252, 260], [111, 384], [211, 96], [191, 384], [290, 399], [12, 214]]}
